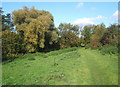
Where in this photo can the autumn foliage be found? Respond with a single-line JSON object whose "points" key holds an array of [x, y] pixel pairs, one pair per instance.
{"points": [[32, 30]]}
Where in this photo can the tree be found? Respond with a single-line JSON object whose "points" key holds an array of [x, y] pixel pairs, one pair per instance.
{"points": [[5, 21], [51, 41], [87, 33], [97, 35], [11, 44], [67, 26], [32, 25], [111, 35], [68, 35], [69, 39], [1, 12]]}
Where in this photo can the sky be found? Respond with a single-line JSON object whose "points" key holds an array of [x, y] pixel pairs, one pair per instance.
{"points": [[80, 13]]}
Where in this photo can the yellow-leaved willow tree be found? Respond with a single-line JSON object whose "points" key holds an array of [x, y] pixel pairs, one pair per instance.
{"points": [[33, 25]]}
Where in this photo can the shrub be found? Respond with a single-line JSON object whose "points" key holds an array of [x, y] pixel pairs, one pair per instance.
{"points": [[87, 46], [11, 44], [109, 49]]}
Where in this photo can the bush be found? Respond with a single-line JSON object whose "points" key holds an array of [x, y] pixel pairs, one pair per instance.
{"points": [[109, 49], [11, 45], [87, 46]]}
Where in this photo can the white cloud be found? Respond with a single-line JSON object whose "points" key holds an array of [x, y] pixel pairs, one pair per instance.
{"points": [[115, 16], [79, 5], [85, 21], [99, 17]]}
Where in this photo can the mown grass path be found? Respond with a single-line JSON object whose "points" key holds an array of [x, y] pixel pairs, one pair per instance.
{"points": [[72, 66], [98, 69]]}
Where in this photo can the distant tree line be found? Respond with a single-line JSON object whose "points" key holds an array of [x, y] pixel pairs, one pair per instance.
{"points": [[29, 30]]}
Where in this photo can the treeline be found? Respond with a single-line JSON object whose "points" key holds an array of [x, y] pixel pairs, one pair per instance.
{"points": [[29, 30], [101, 38]]}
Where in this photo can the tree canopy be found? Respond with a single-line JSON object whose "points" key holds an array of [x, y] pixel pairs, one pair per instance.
{"points": [[33, 24], [34, 31]]}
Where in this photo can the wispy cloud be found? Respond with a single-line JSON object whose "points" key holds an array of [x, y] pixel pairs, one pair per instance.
{"points": [[85, 21], [79, 5], [115, 15]]}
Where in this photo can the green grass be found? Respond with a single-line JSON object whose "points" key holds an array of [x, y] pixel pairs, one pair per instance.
{"points": [[71, 66]]}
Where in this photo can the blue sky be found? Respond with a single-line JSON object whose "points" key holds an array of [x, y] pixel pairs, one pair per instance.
{"points": [[74, 12]]}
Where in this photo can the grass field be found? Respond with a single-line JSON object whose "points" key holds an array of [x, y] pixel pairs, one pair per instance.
{"points": [[71, 66]]}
